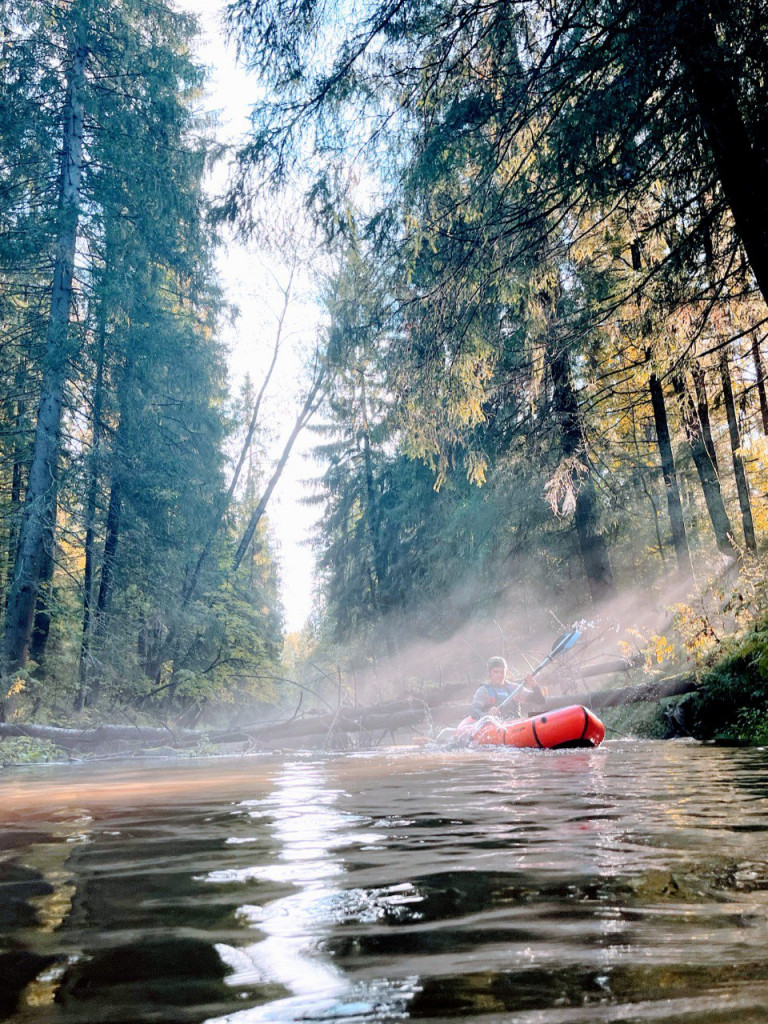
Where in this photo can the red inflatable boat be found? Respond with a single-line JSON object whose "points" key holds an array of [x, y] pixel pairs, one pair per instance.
{"points": [[574, 726]]}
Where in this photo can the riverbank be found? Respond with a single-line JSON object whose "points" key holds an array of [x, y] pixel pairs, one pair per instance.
{"points": [[728, 705]]}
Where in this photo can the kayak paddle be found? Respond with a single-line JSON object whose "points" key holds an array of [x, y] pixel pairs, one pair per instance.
{"points": [[560, 646]]}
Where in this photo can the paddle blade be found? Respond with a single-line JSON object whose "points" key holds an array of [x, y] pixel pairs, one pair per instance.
{"points": [[565, 642]]}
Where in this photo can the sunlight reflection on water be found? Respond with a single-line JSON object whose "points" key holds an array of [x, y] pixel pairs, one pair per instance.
{"points": [[309, 839]]}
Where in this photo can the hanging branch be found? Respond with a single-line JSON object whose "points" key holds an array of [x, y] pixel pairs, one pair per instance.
{"points": [[307, 410], [191, 584]]}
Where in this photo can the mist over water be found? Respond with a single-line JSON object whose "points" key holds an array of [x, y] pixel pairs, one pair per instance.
{"points": [[626, 883], [523, 630]]}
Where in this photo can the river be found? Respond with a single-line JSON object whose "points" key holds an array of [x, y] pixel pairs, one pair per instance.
{"points": [[629, 883]]}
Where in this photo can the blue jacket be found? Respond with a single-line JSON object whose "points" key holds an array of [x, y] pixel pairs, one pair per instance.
{"points": [[488, 696]]}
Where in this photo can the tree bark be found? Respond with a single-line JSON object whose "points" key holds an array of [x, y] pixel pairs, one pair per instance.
{"points": [[757, 359], [17, 477], [740, 168], [592, 545], [676, 520], [40, 500], [702, 409], [742, 487], [710, 484], [41, 626], [90, 515]]}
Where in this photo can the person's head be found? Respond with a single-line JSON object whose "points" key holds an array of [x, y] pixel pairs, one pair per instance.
{"points": [[497, 670]]}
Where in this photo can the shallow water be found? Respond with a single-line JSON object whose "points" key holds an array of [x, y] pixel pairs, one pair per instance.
{"points": [[624, 884]]}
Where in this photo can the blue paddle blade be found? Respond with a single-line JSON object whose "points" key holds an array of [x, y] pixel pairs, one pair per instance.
{"points": [[566, 642]]}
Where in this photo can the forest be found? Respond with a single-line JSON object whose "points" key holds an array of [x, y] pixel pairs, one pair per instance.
{"points": [[538, 388]]}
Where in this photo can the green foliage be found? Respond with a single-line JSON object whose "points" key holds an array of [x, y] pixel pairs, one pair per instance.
{"points": [[143, 457], [642, 720], [733, 700], [752, 726], [26, 750]]}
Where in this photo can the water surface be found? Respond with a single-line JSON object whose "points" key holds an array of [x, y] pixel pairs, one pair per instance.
{"points": [[624, 884]]}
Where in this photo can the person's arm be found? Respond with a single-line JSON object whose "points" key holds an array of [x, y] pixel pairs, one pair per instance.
{"points": [[531, 693], [481, 702]]}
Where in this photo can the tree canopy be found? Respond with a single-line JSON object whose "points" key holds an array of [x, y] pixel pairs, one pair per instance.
{"points": [[559, 215]]}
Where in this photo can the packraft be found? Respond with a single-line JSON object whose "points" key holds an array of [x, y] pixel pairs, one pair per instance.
{"points": [[562, 728]]}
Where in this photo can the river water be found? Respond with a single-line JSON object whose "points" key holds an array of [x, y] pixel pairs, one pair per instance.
{"points": [[624, 884]]}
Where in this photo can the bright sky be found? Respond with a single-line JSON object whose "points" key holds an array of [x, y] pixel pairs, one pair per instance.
{"points": [[252, 282]]}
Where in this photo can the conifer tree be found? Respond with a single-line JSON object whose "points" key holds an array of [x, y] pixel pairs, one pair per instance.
{"points": [[121, 355]]}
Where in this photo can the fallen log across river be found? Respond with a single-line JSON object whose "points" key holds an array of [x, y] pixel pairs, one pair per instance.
{"points": [[366, 725]]}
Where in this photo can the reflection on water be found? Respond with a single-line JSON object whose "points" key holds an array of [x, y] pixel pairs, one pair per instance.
{"points": [[624, 884], [307, 828]]}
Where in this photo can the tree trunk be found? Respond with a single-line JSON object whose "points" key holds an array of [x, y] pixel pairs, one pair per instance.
{"points": [[702, 409], [40, 500], [742, 487], [592, 545], [652, 501], [676, 520], [305, 414], [760, 380], [99, 626], [710, 484], [90, 513], [17, 476], [190, 585], [41, 627], [740, 169]]}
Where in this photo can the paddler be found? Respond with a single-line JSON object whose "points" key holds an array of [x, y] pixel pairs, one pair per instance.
{"points": [[498, 688], [489, 698]]}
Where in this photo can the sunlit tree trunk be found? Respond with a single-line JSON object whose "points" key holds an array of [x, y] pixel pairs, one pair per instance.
{"points": [[677, 523], [702, 408], [757, 359], [710, 484], [742, 487]]}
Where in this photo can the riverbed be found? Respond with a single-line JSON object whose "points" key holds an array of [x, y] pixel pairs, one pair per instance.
{"points": [[628, 883]]}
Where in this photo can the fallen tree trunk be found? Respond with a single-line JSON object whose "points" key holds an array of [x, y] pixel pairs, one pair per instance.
{"points": [[654, 690], [328, 728], [606, 668], [102, 735], [384, 717]]}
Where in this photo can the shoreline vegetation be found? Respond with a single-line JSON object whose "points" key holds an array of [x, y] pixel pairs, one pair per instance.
{"points": [[725, 703]]}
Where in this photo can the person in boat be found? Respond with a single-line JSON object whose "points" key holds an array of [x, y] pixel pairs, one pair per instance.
{"points": [[488, 700], [490, 695]]}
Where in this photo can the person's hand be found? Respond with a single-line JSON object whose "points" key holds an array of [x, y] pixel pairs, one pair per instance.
{"points": [[536, 693], [494, 712]]}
